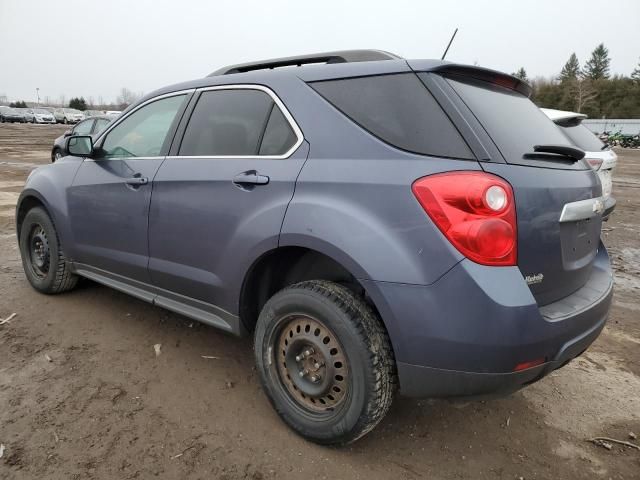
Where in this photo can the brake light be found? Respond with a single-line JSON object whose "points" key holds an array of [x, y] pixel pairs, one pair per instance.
{"points": [[595, 163], [475, 211]]}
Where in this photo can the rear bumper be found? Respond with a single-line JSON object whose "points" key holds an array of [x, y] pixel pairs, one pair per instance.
{"points": [[465, 334], [609, 207]]}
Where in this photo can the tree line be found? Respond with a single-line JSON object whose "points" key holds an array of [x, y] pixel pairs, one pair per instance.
{"points": [[589, 89], [125, 98]]}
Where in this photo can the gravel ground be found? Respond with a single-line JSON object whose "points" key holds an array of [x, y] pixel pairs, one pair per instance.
{"points": [[83, 396]]}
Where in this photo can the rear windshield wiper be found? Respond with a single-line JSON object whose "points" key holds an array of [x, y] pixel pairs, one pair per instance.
{"points": [[574, 153]]}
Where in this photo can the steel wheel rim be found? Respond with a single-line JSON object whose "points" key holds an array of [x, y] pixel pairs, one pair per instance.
{"points": [[39, 253], [311, 364]]}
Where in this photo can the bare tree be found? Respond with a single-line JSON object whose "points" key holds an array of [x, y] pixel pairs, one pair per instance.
{"points": [[126, 97], [583, 93]]}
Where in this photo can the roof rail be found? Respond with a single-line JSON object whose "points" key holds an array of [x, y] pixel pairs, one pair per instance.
{"points": [[342, 56]]}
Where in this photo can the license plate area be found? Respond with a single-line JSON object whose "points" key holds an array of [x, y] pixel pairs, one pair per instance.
{"points": [[579, 240]]}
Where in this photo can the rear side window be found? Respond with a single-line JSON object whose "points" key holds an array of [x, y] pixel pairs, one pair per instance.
{"points": [[582, 137], [399, 110], [512, 120], [236, 122], [278, 136]]}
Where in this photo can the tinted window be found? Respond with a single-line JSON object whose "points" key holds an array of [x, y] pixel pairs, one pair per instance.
{"points": [[278, 137], [143, 133], [227, 122], [399, 110], [512, 120], [583, 137], [83, 128]]}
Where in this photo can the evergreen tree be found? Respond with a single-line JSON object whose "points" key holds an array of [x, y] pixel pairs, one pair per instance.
{"points": [[521, 74], [571, 69], [597, 67], [636, 73], [78, 103]]}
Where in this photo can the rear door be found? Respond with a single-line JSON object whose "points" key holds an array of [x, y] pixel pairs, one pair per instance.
{"points": [[558, 199], [219, 199]]}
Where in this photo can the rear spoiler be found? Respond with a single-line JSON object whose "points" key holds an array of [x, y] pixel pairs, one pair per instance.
{"points": [[479, 73]]}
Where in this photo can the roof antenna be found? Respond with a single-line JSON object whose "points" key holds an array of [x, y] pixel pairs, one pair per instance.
{"points": [[450, 42]]}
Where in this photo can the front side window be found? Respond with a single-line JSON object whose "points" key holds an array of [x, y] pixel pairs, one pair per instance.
{"points": [[101, 124], [83, 128], [236, 122], [144, 132]]}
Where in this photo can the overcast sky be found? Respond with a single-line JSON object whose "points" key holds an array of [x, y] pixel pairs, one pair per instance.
{"points": [[93, 48]]}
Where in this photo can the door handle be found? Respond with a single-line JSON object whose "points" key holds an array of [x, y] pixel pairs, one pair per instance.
{"points": [[137, 181], [250, 177]]}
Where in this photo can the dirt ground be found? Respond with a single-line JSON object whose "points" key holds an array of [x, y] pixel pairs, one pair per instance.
{"points": [[82, 394]]}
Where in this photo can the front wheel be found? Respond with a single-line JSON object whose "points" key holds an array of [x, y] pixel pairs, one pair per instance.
{"points": [[65, 121], [325, 361], [43, 260]]}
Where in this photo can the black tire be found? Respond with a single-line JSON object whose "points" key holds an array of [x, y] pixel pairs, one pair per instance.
{"points": [[43, 260], [54, 154], [364, 376], [65, 121]]}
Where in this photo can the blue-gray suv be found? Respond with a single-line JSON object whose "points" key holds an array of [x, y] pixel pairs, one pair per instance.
{"points": [[376, 224]]}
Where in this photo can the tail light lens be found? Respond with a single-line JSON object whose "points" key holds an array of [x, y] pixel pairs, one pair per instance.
{"points": [[595, 163], [475, 211]]}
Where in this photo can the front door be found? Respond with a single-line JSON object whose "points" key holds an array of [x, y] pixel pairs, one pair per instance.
{"points": [[219, 202], [110, 195]]}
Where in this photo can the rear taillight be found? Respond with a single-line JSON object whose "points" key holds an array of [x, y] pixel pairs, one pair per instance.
{"points": [[475, 211], [595, 163]]}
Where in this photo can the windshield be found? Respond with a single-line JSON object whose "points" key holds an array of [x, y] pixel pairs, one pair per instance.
{"points": [[71, 110], [40, 111], [583, 137]]}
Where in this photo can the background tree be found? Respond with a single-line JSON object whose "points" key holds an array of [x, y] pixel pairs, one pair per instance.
{"points": [[636, 73], [597, 67], [571, 69], [521, 74], [18, 104], [126, 98], [78, 103]]}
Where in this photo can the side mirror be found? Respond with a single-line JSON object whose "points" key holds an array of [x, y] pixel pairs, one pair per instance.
{"points": [[80, 146]]}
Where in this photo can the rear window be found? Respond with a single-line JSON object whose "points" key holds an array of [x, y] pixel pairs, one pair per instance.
{"points": [[399, 110], [582, 137], [512, 120]]}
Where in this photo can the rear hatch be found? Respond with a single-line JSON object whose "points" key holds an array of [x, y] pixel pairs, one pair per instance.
{"points": [[558, 219]]}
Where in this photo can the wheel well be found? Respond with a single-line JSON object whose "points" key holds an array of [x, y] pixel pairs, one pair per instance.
{"points": [[27, 204], [286, 266]]}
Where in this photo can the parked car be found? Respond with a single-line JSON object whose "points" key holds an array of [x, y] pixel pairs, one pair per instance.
{"points": [[39, 115], [373, 222], [90, 126], [26, 113], [601, 158], [68, 115], [9, 114], [93, 113]]}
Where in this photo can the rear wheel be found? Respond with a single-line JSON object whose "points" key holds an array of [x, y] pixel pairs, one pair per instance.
{"points": [[43, 260], [325, 361]]}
